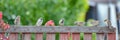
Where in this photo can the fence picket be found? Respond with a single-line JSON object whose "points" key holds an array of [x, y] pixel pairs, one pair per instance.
{"points": [[39, 36], [26, 36], [50, 36], [100, 36], [64, 36], [75, 36], [87, 36], [111, 36], [13, 36]]}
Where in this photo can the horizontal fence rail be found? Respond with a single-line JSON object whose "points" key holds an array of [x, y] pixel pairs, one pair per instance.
{"points": [[61, 29], [65, 33]]}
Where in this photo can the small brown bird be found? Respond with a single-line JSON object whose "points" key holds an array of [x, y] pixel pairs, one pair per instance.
{"points": [[108, 23], [78, 23], [39, 22], [17, 20], [95, 23], [61, 22]]}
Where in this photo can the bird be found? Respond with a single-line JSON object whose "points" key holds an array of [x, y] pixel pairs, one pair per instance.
{"points": [[39, 22], [108, 23], [17, 20], [61, 22], [94, 22], [78, 23], [50, 23]]}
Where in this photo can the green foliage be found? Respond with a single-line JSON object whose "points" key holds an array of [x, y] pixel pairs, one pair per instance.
{"points": [[31, 10]]}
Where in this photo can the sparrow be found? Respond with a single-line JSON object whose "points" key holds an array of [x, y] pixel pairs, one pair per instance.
{"points": [[108, 23], [39, 22], [17, 20]]}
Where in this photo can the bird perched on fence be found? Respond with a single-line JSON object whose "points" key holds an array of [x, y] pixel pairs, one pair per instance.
{"points": [[94, 23], [78, 23], [50, 23], [17, 21], [108, 23], [61, 22], [39, 22]]}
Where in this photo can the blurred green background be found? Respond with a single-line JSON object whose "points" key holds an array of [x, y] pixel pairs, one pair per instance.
{"points": [[31, 10]]}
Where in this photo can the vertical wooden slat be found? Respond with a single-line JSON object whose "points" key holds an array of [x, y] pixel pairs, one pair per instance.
{"points": [[26, 36], [39, 36], [87, 36], [64, 36], [1, 36], [13, 36], [111, 36], [50, 36], [100, 36], [75, 36]]}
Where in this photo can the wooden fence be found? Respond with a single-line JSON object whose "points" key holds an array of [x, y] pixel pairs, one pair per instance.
{"points": [[102, 33]]}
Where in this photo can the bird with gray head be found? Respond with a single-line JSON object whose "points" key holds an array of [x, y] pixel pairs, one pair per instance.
{"points": [[94, 22], [78, 23], [39, 22], [61, 22], [17, 20]]}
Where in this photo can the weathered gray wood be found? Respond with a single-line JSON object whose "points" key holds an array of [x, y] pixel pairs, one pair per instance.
{"points": [[66, 29]]}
